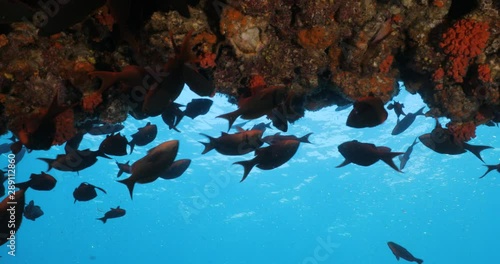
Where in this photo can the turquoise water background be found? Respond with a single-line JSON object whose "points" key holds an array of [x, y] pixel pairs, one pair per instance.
{"points": [[306, 211]]}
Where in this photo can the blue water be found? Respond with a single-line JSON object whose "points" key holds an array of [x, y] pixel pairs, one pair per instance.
{"points": [[306, 211]]}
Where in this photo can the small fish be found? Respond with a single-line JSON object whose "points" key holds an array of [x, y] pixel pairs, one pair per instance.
{"points": [[7, 225], [114, 144], [112, 213], [367, 112], [73, 143], [406, 156], [240, 126], [197, 107], [172, 116], [176, 169], [270, 157], [3, 179], [123, 167], [143, 136], [105, 129], [150, 167], [32, 211], [20, 154], [366, 154], [131, 75], [278, 137], [406, 122], [491, 168], [86, 192], [278, 118], [239, 143], [261, 126], [5, 147], [39, 182], [76, 160], [401, 252], [398, 108]]}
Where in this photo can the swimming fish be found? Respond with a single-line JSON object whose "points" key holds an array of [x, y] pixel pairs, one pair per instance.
{"points": [[176, 169], [491, 168], [406, 122], [32, 211], [398, 108], [73, 143], [406, 156], [130, 75], [366, 154], [367, 112], [105, 129], [143, 136], [39, 182], [112, 213], [114, 144], [197, 107], [239, 143], [441, 140], [86, 192], [270, 157], [150, 167], [123, 167], [3, 179], [172, 116], [401, 252], [278, 137], [75, 160]]}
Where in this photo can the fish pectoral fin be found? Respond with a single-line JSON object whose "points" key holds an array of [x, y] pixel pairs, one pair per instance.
{"points": [[345, 162]]}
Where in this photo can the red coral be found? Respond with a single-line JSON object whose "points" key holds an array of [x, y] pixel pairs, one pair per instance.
{"points": [[65, 128], [207, 60], [438, 3], [438, 75], [91, 101], [462, 132], [385, 66], [257, 81], [484, 73]]}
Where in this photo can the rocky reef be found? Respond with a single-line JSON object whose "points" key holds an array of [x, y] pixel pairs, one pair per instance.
{"points": [[325, 52]]}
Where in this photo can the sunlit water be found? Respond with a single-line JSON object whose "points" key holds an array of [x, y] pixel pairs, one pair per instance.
{"points": [[306, 211]]}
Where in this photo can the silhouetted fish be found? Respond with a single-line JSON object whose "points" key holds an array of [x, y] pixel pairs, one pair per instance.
{"points": [[73, 143], [151, 166], [398, 108], [86, 192], [366, 154], [261, 126], [270, 157], [278, 118], [144, 136], [406, 156], [197, 107], [441, 140], [8, 208], [123, 167], [176, 169], [5, 147], [115, 145], [401, 252], [278, 137], [491, 168], [3, 179], [234, 144], [105, 129], [367, 112], [112, 213], [32, 211], [172, 116], [39, 182], [406, 122], [74, 161]]}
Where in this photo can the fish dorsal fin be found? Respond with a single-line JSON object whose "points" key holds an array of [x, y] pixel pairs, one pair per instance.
{"points": [[239, 129], [223, 134]]}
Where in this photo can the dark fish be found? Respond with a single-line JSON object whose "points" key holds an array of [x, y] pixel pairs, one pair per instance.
{"points": [[172, 116], [406, 156], [7, 210], [73, 143], [32, 211], [278, 137], [366, 154], [5, 147], [234, 144], [441, 140], [20, 154], [105, 129], [74, 161], [3, 179], [401, 252], [259, 104], [491, 123], [270, 157], [398, 108], [262, 126], [39, 182], [278, 118], [144, 136], [113, 213], [406, 122], [342, 107], [151, 166], [367, 112], [176, 169], [123, 167], [240, 126], [197, 107], [86, 192], [491, 168], [131, 76], [115, 145]]}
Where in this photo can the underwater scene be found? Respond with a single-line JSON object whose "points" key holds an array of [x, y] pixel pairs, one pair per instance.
{"points": [[305, 211]]}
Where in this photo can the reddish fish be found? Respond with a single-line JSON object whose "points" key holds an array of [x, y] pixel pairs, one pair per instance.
{"points": [[401, 252], [234, 144], [367, 112], [366, 154]]}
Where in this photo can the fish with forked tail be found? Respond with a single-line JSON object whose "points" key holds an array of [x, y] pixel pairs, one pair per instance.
{"points": [[406, 122], [366, 154], [112, 213], [239, 143], [86, 192], [401, 252], [491, 168], [367, 112], [144, 136], [406, 156]]}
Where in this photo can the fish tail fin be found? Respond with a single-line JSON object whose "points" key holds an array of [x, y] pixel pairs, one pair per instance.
{"points": [[101, 153], [130, 185], [345, 162], [231, 117], [247, 167], [103, 219], [49, 162], [419, 261], [387, 158], [132, 145], [490, 168], [16, 147], [305, 138], [476, 150], [208, 145], [23, 185], [420, 111], [107, 78]]}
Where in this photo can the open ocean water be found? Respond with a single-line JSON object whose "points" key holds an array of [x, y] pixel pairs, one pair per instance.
{"points": [[305, 212]]}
